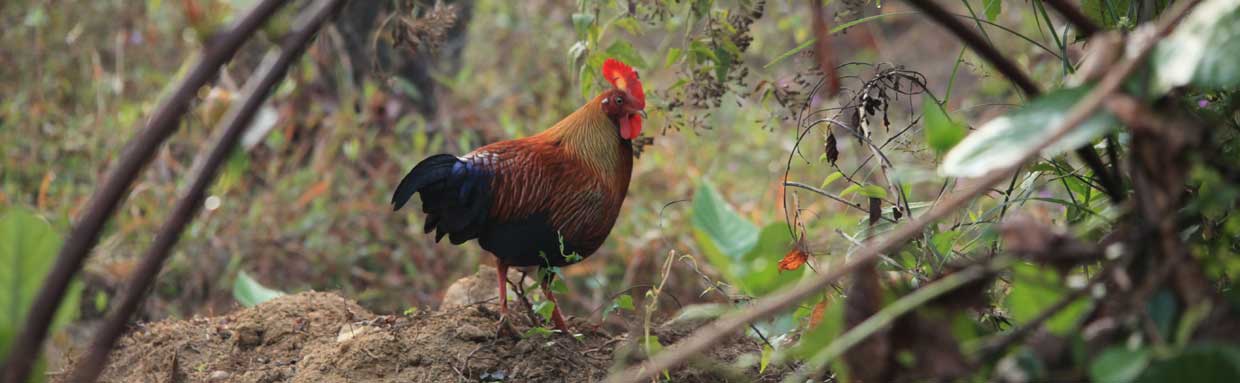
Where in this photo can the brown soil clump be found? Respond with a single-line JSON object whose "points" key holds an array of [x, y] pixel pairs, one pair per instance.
{"points": [[321, 337]]}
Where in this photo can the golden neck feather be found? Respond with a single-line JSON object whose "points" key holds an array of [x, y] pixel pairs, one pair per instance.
{"points": [[588, 134]]}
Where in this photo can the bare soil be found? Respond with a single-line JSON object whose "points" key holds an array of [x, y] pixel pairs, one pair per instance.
{"points": [[322, 337]]}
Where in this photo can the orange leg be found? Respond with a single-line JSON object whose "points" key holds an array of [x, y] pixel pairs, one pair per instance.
{"points": [[502, 271], [555, 312]]}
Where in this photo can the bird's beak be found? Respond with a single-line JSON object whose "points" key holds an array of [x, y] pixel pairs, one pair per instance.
{"points": [[643, 113]]}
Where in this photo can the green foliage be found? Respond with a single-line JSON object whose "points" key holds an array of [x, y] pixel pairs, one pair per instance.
{"points": [[999, 142], [1034, 289], [1202, 51], [28, 246], [746, 256], [250, 293], [942, 133], [1204, 362], [992, 8], [1119, 365]]}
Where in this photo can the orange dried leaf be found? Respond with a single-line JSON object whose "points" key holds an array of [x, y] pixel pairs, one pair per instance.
{"points": [[815, 317], [793, 260]]}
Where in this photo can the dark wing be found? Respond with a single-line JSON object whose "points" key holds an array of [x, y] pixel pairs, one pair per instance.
{"points": [[456, 194]]}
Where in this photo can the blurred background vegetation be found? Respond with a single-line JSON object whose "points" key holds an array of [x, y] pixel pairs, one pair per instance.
{"points": [[304, 204]]}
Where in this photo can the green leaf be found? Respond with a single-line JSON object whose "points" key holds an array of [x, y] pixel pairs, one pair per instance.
{"points": [[1034, 290], [1202, 50], [1119, 365], [941, 132], [623, 51], [873, 191], [760, 266], [1108, 13], [747, 257], [28, 246], [945, 241], [724, 236], [766, 358], [625, 301], [540, 332], [581, 23], [1206, 362], [544, 309], [702, 52], [629, 24], [992, 7], [1001, 141], [834, 176], [622, 302], [250, 293], [673, 55], [651, 344]]}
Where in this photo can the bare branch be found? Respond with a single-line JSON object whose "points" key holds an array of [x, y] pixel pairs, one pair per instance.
{"points": [[712, 333], [108, 197]]}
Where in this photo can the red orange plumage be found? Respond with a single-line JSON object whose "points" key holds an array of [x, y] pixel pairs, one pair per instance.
{"points": [[547, 200]]}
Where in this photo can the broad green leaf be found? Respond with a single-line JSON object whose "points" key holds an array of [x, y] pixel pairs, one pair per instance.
{"points": [[760, 267], [28, 246], [1001, 141], [623, 51], [992, 8], [250, 293], [1119, 365], [1034, 290], [724, 236], [1206, 362], [544, 309], [941, 132], [1202, 50]]}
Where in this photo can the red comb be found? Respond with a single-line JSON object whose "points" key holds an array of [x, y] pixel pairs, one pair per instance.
{"points": [[623, 77]]}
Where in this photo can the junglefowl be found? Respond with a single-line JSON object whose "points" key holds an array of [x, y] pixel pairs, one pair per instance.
{"points": [[548, 200]]}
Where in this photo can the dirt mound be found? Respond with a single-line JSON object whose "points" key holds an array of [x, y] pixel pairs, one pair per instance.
{"points": [[321, 337]]}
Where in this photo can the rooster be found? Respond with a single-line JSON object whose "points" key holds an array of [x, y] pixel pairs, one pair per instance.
{"points": [[548, 200]]}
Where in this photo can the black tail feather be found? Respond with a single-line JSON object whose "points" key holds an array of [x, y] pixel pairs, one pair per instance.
{"points": [[455, 193], [434, 169]]}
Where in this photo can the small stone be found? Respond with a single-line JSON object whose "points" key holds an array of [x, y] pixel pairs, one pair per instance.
{"points": [[472, 333], [218, 376]]}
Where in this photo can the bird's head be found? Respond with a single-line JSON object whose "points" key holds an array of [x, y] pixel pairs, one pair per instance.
{"points": [[625, 102]]}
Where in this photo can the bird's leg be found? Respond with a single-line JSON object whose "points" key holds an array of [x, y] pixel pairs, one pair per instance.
{"points": [[502, 270], [556, 318]]}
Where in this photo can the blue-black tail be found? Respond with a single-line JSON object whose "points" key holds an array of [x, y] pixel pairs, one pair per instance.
{"points": [[456, 196]]}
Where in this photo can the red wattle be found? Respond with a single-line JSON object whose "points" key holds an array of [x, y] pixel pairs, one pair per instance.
{"points": [[631, 126]]}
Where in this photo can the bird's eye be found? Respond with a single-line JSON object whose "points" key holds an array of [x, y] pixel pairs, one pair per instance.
{"points": [[619, 101]]}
